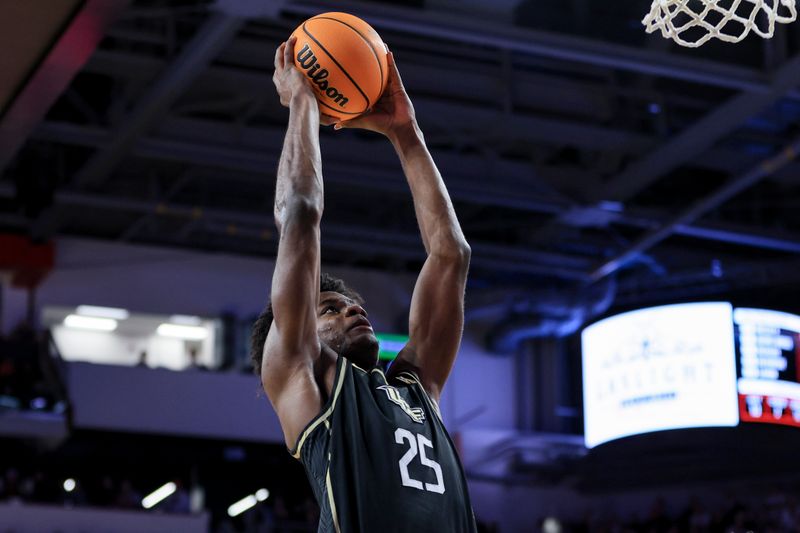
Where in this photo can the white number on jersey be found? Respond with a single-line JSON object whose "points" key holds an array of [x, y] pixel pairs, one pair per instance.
{"points": [[417, 444]]}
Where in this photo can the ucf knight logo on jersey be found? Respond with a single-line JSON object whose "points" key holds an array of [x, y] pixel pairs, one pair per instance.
{"points": [[415, 413]]}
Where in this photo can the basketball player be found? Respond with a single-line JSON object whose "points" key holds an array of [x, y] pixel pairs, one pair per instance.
{"points": [[373, 445]]}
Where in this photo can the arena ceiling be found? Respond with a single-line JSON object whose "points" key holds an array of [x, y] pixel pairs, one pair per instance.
{"points": [[591, 165]]}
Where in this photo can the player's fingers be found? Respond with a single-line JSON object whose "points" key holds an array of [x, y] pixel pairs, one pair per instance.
{"points": [[394, 74], [341, 124], [288, 51], [327, 120], [279, 56]]}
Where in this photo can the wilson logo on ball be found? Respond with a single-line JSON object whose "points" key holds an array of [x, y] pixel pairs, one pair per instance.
{"points": [[308, 61]]}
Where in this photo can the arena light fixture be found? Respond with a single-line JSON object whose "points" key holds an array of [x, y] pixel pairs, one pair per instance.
{"points": [[69, 484], [248, 502], [38, 403], [90, 323], [102, 312], [551, 525], [158, 495], [186, 320], [178, 331]]}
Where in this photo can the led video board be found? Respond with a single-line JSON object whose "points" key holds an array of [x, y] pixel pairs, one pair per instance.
{"points": [[689, 365], [661, 368], [767, 363]]}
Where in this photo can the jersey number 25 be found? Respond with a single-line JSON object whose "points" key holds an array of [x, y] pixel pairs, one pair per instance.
{"points": [[417, 444]]}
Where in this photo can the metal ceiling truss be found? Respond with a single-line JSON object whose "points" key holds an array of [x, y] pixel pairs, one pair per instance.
{"points": [[257, 160]]}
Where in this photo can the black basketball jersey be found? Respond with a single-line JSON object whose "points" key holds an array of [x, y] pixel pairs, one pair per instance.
{"points": [[380, 460]]}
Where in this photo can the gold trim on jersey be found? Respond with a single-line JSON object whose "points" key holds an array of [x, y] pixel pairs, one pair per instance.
{"points": [[322, 417], [357, 367], [407, 381], [414, 379], [331, 501]]}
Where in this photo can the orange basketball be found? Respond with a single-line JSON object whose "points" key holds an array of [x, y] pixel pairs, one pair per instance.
{"points": [[345, 61]]}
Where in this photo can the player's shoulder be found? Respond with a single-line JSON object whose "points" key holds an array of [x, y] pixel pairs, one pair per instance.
{"points": [[403, 367]]}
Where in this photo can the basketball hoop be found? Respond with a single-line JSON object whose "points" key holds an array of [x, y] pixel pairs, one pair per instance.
{"points": [[693, 22]]}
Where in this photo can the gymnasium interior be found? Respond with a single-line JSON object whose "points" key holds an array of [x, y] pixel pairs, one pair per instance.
{"points": [[631, 351]]}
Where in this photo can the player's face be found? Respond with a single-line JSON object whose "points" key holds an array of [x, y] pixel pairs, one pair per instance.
{"points": [[342, 324]]}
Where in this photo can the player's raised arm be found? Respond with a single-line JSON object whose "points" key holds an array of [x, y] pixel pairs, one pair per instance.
{"points": [[436, 320], [292, 346]]}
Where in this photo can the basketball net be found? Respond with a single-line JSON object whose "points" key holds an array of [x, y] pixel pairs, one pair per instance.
{"points": [[693, 22]]}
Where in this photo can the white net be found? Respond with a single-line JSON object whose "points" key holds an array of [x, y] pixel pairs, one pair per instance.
{"points": [[693, 22]]}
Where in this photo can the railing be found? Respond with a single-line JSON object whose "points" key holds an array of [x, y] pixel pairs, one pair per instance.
{"points": [[52, 519]]}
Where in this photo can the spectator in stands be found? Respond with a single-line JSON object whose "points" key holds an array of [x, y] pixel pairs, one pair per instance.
{"points": [[8, 374], [790, 514], [194, 359], [22, 380], [9, 486], [179, 502], [699, 518], [657, 520], [311, 512], [103, 493], [282, 517], [225, 526], [44, 489], [739, 523], [19, 365], [128, 497]]}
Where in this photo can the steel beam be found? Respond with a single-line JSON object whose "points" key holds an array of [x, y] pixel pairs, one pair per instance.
{"points": [[474, 119], [698, 209], [203, 47], [346, 237], [258, 160], [497, 192], [505, 193], [55, 72], [699, 137]]}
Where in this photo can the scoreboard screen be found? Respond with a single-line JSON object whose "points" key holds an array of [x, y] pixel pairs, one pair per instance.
{"points": [[660, 368], [767, 365], [689, 365]]}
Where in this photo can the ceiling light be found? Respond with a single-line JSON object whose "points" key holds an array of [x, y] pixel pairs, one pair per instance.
{"points": [[158, 495], [262, 494], [69, 485], [103, 312], [191, 333], [242, 505], [186, 320], [92, 323]]}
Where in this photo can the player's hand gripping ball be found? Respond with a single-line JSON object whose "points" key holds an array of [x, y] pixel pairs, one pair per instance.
{"points": [[344, 59]]}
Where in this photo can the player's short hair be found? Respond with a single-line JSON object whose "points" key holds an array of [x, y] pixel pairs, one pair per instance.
{"points": [[327, 283]]}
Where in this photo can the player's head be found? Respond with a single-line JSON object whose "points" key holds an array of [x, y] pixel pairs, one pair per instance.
{"points": [[342, 324]]}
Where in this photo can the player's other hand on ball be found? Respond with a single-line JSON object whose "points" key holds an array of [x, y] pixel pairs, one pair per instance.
{"points": [[327, 120], [289, 81], [391, 113]]}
